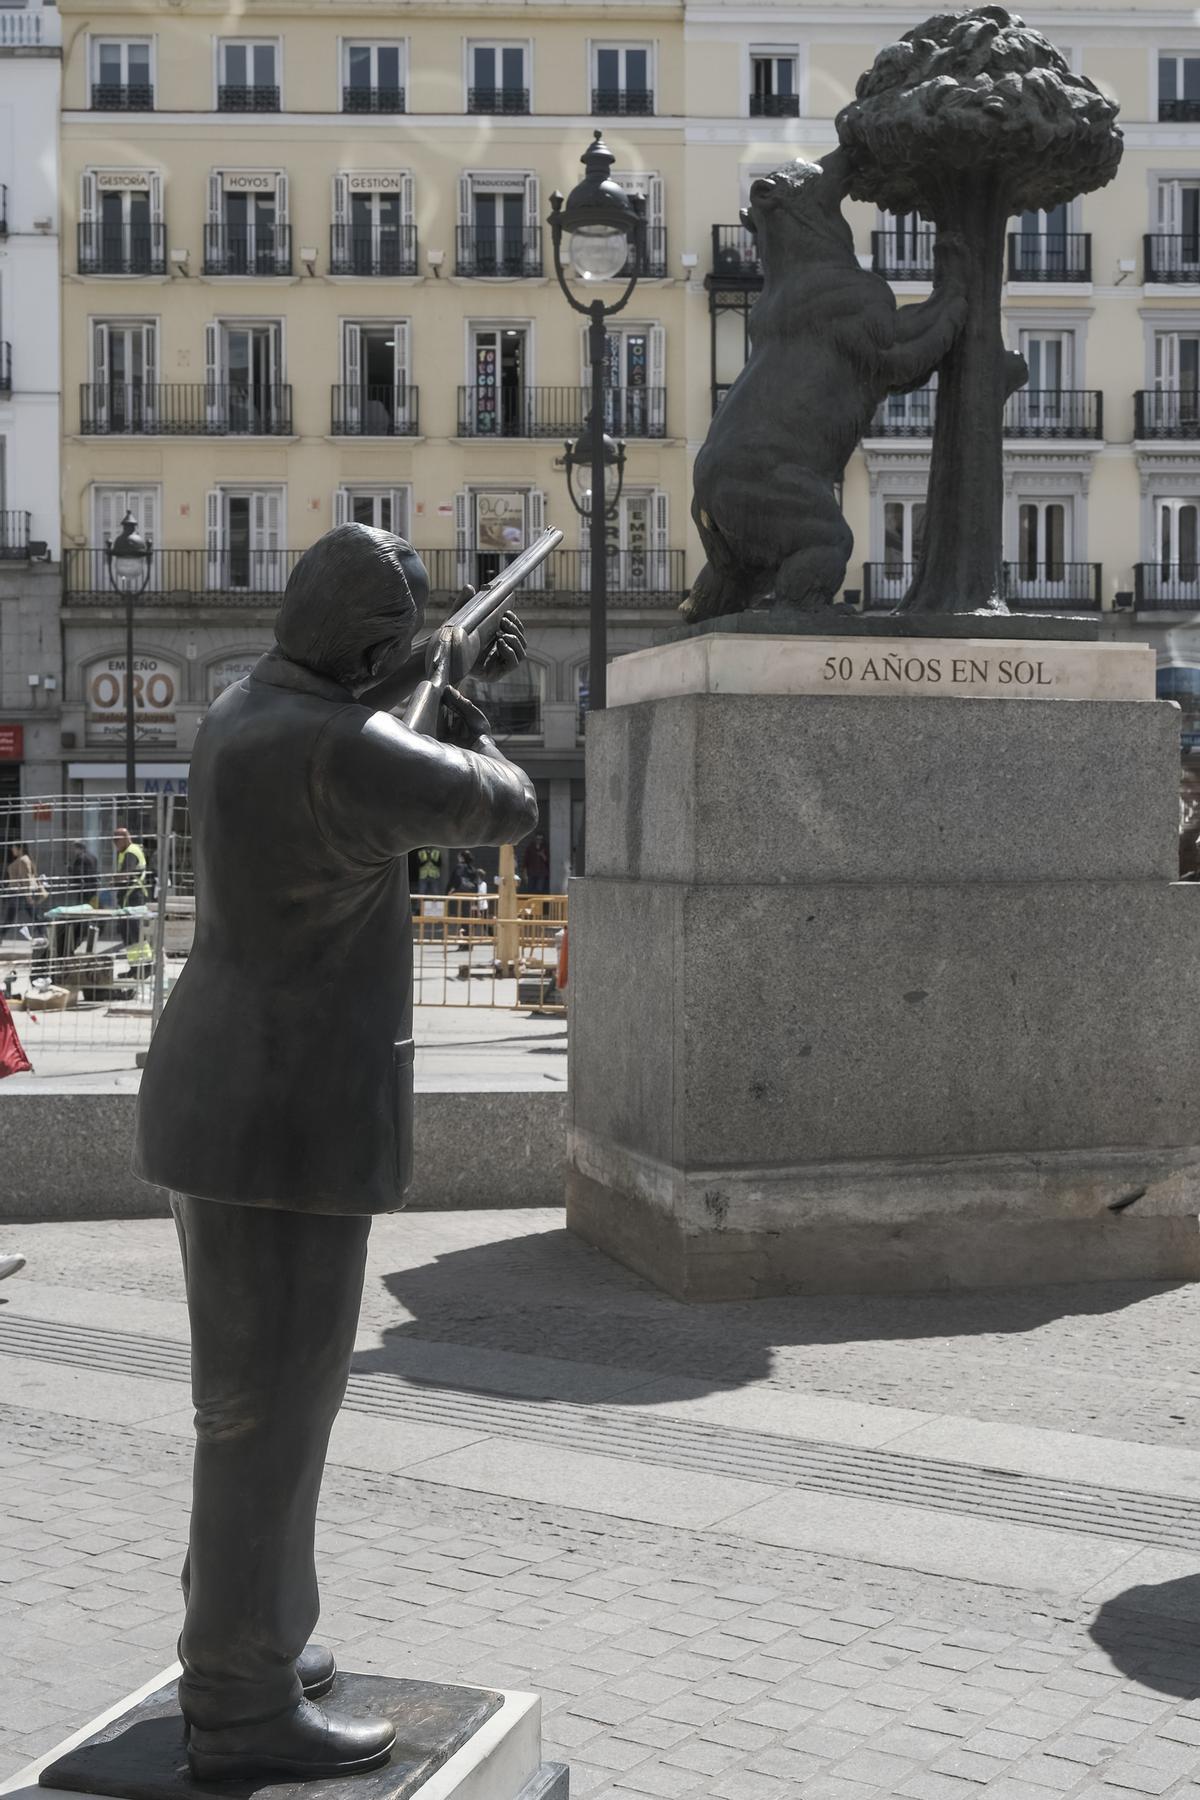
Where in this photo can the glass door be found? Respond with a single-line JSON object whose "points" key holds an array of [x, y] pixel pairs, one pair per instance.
{"points": [[1177, 534], [903, 535], [251, 378], [1178, 248], [1044, 401], [1043, 549], [124, 370], [250, 236], [253, 551], [498, 380]]}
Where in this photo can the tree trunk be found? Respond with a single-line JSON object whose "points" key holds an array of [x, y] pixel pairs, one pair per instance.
{"points": [[959, 568]]}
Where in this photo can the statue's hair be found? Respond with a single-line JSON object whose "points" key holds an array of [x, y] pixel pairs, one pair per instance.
{"points": [[353, 589]]}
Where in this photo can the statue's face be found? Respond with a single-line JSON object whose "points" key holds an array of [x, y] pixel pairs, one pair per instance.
{"points": [[801, 200]]}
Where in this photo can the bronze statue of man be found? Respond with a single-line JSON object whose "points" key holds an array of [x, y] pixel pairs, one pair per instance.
{"points": [[276, 1105]]}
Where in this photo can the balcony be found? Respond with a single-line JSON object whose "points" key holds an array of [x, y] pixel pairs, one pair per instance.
{"points": [[373, 99], [652, 261], [373, 250], [28, 28], [555, 412], [226, 577], [5, 368], [1050, 256], [903, 255], [622, 103], [905, 416], [1178, 112], [1171, 258], [122, 249], [245, 97], [122, 96], [247, 250], [1038, 587], [371, 410], [774, 106], [491, 255], [635, 577], [735, 256], [1054, 413], [1167, 413], [1166, 587], [497, 100], [14, 536], [185, 409]]}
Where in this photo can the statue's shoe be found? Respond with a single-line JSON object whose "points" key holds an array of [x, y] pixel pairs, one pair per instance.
{"points": [[317, 1670], [304, 1742]]}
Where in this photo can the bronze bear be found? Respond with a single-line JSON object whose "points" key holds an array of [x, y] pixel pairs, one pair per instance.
{"points": [[828, 345]]}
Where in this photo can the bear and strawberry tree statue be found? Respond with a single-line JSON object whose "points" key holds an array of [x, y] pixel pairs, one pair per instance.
{"points": [[971, 118]]}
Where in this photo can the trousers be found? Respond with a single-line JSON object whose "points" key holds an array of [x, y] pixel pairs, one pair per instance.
{"points": [[273, 1300]]}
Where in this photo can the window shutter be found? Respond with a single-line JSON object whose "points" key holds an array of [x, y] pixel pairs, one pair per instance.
{"points": [[351, 347], [533, 222], [656, 356], [214, 197], [464, 200], [341, 209], [151, 354], [282, 256], [403, 362], [406, 199], [100, 355], [655, 200], [212, 374], [462, 537], [212, 539], [660, 538], [400, 512], [89, 233], [535, 518], [156, 205], [341, 507]]}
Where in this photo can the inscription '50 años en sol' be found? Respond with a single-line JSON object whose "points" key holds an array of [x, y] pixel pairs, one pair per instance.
{"points": [[955, 671]]}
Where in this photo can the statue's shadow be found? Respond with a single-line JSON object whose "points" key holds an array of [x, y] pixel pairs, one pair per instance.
{"points": [[1151, 1633], [543, 1315]]}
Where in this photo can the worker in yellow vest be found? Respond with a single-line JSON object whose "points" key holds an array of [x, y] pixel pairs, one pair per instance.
{"points": [[130, 882], [429, 871]]}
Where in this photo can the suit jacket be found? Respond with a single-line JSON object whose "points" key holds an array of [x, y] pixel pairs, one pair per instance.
{"points": [[281, 1072]]}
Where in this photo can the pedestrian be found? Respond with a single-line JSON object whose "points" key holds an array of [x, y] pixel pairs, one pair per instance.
{"points": [[26, 892], [536, 864], [83, 877], [464, 880], [130, 881], [429, 870]]}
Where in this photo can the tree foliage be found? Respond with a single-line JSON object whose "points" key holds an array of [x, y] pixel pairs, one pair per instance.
{"points": [[975, 94]]}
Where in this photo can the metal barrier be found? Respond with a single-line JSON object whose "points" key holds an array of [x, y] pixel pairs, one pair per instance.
{"points": [[497, 950]]}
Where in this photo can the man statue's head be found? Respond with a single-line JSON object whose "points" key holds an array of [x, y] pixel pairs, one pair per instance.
{"points": [[352, 606]]}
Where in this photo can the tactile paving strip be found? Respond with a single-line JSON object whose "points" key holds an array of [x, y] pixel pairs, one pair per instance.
{"points": [[619, 1431]]}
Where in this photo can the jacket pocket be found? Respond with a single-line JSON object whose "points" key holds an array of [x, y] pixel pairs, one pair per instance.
{"points": [[402, 1062]]}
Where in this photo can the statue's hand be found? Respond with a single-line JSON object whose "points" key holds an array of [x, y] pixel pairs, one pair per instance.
{"points": [[507, 651], [461, 721]]}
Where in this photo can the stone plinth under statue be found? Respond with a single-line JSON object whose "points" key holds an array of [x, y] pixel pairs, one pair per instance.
{"points": [[948, 1034]]}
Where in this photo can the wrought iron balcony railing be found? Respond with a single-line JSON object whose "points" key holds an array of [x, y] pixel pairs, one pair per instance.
{"points": [[372, 250], [774, 106], [1167, 413], [1050, 256], [5, 368], [906, 416], [1025, 587], [491, 254], [652, 260], [735, 256], [14, 536], [497, 100], [903, 255], [242, 97], [1171, 257], [367, 409], [373, 99], [486, 411], [185, 409], [256, 578], [247, 250], [1166, 586], [122, 96], [622, 103], [122, 249], [1178, 112], [1054, 413]]}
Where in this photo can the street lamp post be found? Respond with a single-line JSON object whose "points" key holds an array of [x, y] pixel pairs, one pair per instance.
{"points": [[602, 225], [128, 560]]}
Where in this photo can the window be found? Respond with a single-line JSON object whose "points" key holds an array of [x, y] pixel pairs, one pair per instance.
{"points": [[373, 78], [1172, 408], [908, 415], [649, 189], [247, 232], [499, 225], [498, 400], [491, 526], [123, 395], [375, 399], [373, 232], [903, 247], [1042, 247], [1179, 87], [244, 390], [903, 536], [120, 222], [121, 77], [774, 84], [1175, 249], [108, 507], [635, 397], [1043, 542], [513, 705], [497, 82], [621, 82], [384, 508], [249, 76], [244, 536], [638, 553]]}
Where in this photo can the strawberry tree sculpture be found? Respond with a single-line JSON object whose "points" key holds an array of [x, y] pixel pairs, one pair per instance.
{"points": [[969, 119]]}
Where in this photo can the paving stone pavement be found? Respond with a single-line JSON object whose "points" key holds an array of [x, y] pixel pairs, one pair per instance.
{"points": [[673, 1661]]}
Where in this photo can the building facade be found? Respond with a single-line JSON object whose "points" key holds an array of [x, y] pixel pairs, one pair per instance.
{"points": [[30, 651], [307, 277]]}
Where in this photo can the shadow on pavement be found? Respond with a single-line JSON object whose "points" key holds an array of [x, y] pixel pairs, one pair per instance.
{"points": [[549, 1295], [1152, 1634]]}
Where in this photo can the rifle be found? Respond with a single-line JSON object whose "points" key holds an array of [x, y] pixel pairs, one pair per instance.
{"points": [[448, 655]]}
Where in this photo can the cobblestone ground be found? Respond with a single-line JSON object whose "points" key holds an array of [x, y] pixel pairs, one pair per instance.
{"points": [[672, 1662]]}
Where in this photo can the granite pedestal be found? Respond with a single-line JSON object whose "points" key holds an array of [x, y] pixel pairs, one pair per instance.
{"points": [[452, 1743], [946, 1031]]}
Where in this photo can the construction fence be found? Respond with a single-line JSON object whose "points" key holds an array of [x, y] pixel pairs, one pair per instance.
{"points": [[90, 948]]}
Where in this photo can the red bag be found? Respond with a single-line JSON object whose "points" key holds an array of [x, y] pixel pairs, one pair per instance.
{"points": [[13, 1060]]}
